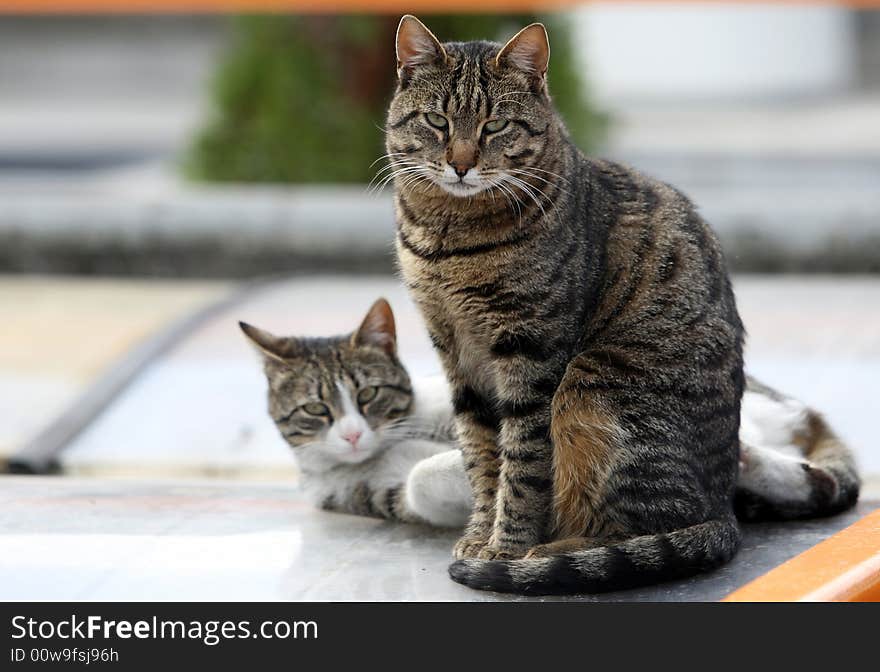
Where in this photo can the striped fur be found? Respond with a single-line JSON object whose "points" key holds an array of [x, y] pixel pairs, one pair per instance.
{"points": [[562, 292], [796, 467]]}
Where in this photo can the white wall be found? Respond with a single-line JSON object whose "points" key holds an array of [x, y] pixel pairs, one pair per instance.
{"points": [[662, 52]]}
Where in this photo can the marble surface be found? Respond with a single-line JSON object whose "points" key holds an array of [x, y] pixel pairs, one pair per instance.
{"points": [[99, 321], [102, 539], [199, 411]]}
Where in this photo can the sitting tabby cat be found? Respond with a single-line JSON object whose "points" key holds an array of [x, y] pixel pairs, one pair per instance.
{"points": [[369, 460], [585, 321], [364, 442]]}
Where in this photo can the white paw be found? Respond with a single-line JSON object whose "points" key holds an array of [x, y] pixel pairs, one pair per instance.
{"points": [[775, 475], [438, 491]]}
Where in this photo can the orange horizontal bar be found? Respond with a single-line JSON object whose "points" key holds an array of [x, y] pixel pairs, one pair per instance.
{"points": [[325, 7], [843, 568], [297, 6]]}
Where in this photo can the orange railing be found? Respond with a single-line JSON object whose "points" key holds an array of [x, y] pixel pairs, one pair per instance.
{"points": [[843, 568], [299, 6], [328, 7]]}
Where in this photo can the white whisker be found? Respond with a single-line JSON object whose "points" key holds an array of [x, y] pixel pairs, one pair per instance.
{"points": [[548, 172], [387, 156], [520, 171], [529, 190], [509, 194], [394, 174]]}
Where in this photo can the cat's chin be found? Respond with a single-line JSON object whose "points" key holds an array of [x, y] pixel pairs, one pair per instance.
{"points": [[461, 189], [355, 457]]}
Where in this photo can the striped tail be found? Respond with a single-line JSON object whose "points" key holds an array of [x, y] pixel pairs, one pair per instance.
{"points": [[629, 564]]}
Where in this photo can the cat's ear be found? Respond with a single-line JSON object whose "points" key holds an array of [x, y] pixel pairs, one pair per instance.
{"points": [[270, 345], [528, 50], [416, 45], [377, 328]]}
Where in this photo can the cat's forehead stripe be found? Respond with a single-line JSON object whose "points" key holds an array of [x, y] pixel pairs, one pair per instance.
{"points": [[469, 82], [344, 370]]}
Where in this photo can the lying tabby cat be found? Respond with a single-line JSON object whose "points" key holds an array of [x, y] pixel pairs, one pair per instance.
{"points": [[397, 459], [365, 440], [585, 321]]}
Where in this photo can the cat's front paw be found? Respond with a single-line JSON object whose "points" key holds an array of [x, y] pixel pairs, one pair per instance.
{"points": [[469, 547], [490, 552], [497, 550]]}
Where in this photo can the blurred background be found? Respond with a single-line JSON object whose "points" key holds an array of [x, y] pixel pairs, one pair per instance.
{"points": [[164, 175]]}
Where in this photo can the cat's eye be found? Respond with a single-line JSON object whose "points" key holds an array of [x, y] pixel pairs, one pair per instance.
{"points": [[436, 120], [494, 125], [315, 408], [366, 395]]}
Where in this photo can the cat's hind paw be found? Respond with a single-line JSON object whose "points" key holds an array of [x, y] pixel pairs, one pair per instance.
{"points": [[541, 551]]}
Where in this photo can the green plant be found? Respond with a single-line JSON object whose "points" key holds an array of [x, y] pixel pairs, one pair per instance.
{"points": [[302, 98]]}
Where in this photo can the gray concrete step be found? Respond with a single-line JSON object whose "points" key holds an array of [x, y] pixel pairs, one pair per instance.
{"points": [[772, 213]]}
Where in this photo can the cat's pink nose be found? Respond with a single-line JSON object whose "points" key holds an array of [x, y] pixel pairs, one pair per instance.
{"points": [[352, 437]]}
